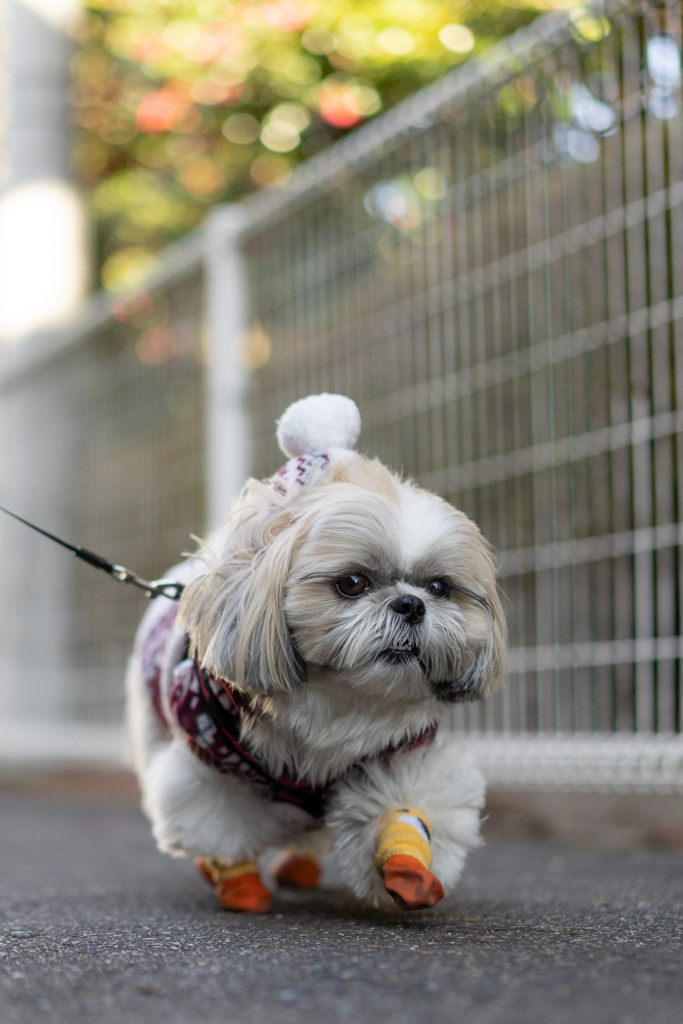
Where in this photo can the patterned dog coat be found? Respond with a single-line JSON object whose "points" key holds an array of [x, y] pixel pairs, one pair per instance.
{"points": [[209, 715]]}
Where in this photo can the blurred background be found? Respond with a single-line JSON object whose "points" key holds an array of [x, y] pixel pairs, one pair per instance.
{"points": [[465, 214]]}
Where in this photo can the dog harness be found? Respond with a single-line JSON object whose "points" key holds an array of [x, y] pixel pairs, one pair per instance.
{"points": [[209, 715]]}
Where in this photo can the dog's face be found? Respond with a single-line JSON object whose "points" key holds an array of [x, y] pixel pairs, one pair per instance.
{"points": [[393, 589], [380, 585]]}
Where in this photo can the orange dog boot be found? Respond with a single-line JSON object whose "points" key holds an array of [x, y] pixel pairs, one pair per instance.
{"points": [[238, 885], [245, 892], [404, 857], [410, 884], [297, 872]]}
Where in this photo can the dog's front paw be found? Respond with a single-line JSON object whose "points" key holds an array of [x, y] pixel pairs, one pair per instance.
{"points": [[404, 857], [410, 884]]}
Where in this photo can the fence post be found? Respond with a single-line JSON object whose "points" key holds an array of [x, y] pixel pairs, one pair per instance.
{"points": [[228, 455]]}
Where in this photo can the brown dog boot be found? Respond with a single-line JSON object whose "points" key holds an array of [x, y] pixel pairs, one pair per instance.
{"points": [[410, 884], [404, 857], [298, 872]]}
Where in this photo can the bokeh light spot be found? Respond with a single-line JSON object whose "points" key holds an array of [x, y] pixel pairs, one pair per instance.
{"points": [[202, 178], [160, 111], [241, 129], [456, 38], [398, 41], [154, 346], [430, 182]]}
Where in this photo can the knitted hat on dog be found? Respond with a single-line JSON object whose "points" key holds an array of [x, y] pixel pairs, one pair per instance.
{"points": [[314, 432]]}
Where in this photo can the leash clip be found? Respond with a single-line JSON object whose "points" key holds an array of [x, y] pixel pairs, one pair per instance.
{"points": [[153, 588], [157, 588], [167, 588]]}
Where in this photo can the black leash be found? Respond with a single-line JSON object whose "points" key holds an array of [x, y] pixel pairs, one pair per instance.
{"points": [[156, 588]]}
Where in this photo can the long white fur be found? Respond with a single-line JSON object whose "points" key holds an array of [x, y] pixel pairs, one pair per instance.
{"points": [[254, 612]]}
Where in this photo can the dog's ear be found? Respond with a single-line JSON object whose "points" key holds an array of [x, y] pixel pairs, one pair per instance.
{"points": [[234, 615], [486, 672]]}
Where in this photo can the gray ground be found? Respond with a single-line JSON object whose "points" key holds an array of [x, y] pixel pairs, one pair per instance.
{"points": [[95, 925]]}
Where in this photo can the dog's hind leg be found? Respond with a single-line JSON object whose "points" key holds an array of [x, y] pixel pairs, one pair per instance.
{"points": [[217, 819], [238, 885], [196, 811], [293, 870], [298, 866]]}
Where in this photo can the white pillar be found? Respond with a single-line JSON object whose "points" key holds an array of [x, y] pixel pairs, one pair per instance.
{"points": [[42, 281], [227, 314], [43, 235]]}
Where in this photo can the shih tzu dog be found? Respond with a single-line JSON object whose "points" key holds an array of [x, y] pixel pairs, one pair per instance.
{"points": [[292, 699]]}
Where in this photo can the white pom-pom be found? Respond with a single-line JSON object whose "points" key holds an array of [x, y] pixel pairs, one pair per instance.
{"points": [[317, 423]]}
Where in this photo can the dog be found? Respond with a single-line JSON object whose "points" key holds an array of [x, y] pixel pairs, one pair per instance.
{"points": [[292, 699]]}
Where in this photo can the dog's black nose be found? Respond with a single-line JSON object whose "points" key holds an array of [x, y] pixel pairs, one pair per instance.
{"points": [[412, 608]]}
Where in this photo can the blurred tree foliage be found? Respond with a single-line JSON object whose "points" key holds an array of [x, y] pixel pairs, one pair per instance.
{"points": [[181, 103]]}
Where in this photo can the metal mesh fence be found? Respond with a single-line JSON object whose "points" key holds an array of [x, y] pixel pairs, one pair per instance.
{"points": [[104, 445], [499, 285], [493, 271]]}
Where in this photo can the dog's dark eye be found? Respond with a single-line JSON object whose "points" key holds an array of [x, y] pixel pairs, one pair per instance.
{"points": [[439, 588], [352, 586]]}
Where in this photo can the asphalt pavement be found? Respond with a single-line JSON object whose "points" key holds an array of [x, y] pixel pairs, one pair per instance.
{"points": [[96, 926]]}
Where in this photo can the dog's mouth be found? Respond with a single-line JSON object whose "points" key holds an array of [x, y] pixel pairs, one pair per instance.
{"points": [[400, 655]]}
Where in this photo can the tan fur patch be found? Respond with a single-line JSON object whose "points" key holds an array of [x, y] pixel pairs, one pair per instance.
{"points": [[369, 474]]}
